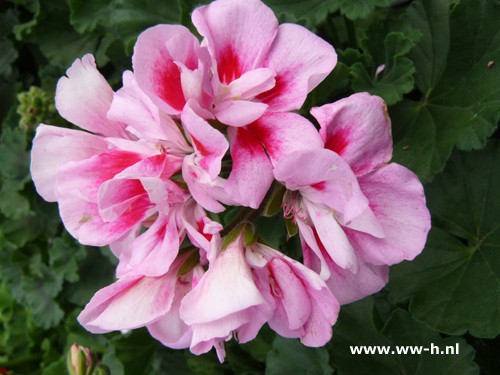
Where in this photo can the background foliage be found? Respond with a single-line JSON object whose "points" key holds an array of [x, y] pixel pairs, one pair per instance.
{"points": [[441, 80]]}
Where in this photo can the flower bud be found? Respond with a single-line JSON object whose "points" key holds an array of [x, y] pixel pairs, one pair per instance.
{"points": [[79, 360]]}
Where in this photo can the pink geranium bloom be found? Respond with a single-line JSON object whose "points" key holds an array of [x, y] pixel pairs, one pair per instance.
{"points": [[380, 218], [304, 306], [109, 186], [226, 300], [134, 302], [247, 74]]}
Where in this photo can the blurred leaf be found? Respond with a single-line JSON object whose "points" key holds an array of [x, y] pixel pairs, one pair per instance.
{"points": [[459, 268], [135, 351], [132, 17], [65, 257], [461, 101], [95, 272], [272, 230], [354, 9], [9, 53], [289, 356], [12, 204], [14, 159], [77, 334], [169, 362], [58, 367], [261, 345], [24, 29], [39, 296], [335, 83], [313, 12], [355, 328], [17, 340], [15, 230], [207, 364], [86, 14], [241, 362], [387, 45], [52, 31]]}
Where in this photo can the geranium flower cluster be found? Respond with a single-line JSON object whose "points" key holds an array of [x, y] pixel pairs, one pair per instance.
{"points": [[148, 171]]}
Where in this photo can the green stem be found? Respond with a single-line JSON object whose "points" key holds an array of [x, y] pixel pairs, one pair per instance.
{"points": [[21, 360], [247, 214], [351, 33], [236, 220], [226, 168], [333, 31]]}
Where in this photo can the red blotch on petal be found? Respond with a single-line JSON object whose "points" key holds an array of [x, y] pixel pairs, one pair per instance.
{"points": [[167, 79], [229, 66], [199, 147], [337, 142], [279, 88], [201, 226], [319, 186]]}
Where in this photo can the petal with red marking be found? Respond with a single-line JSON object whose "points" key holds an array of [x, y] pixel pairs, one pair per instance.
{"points": [[237, 32], [252, 172], [52, 147], [398, 202], [284, 133], [209, 143], [357, 128], [83, 178], [301, 61], [155, 55], [82, 219], [84, 98]]}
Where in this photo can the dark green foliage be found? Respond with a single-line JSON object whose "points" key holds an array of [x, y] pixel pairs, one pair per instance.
{"points": [[443, 93]]}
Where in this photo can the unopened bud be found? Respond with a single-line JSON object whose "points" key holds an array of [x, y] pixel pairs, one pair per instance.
{"points": [[79, 360]]}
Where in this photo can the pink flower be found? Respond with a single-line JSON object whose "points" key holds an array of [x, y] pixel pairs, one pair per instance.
{"points": [[226, 300], [380, 218], [134, 302], [304, 306], [246, 69]]}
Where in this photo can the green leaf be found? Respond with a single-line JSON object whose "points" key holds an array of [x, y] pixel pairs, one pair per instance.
{"points": [[206, 364], [9, 53], [86, 14], [12, 204], [241, 362], [14, 159], [459, 269], [313, 12], [7, 57], [39, 293], [135, 351], [355, 327], [261, 345], [460, 103], [335, 83], [65, 257], [77, 334], [95, 272], [169, 361], [56, 368], [132, 17], [57, 39], [272, 230], [289, 356], [354, 9], [17, 340], [385, 46]]}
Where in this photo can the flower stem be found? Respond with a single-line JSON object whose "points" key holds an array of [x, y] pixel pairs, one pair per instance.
{"points": [[21, 360], [236, 220], [351, 33]]}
